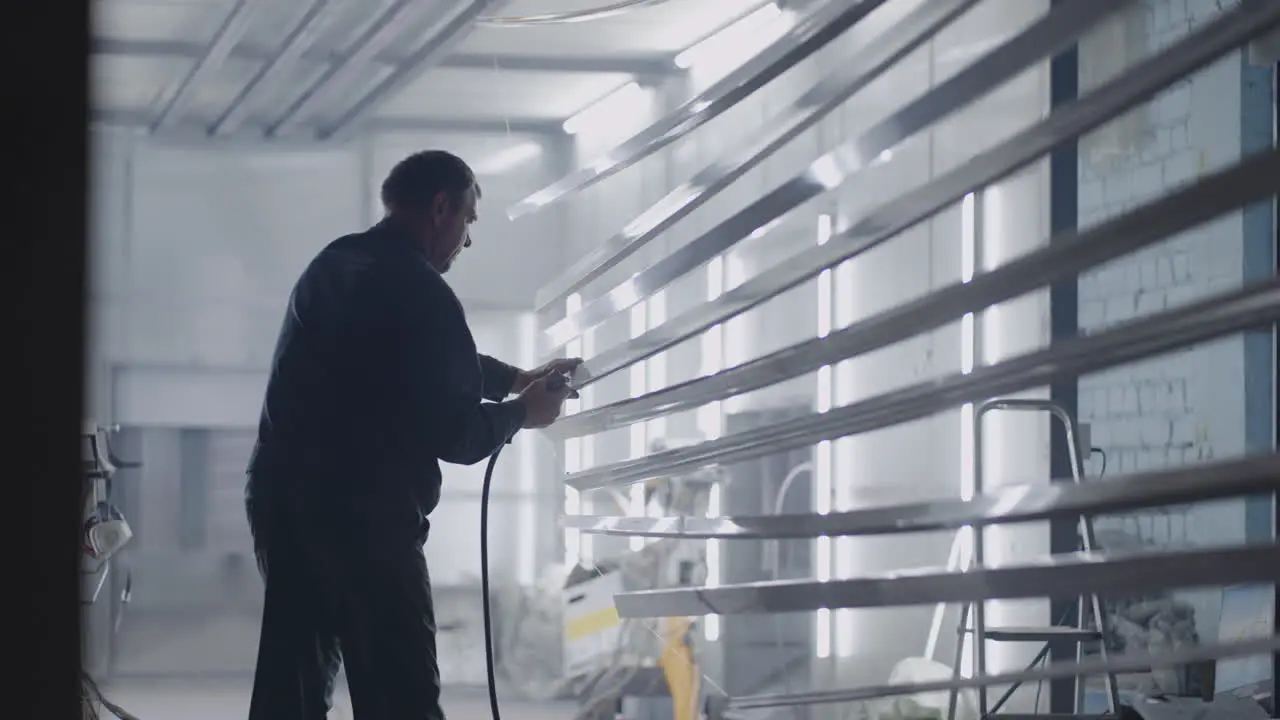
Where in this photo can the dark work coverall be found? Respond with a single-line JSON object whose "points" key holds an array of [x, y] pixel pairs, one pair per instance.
{"points": [[375, 379]]}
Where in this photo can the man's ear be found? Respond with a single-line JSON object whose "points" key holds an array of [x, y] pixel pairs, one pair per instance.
{"points": [[441, 206]]}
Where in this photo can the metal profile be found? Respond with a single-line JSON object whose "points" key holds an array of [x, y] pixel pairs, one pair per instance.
{"points": [[1157, 72], [808, 36], [1013, 504], [1256, 179], [224, 41], [1049, 35], [868, 64], [1127, 663], [1054, 576], [1255, 305]]}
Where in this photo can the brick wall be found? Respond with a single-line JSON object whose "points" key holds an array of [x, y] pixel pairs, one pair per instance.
{"points": [[1189, 406]]}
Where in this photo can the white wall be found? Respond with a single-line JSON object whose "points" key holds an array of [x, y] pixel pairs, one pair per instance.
{"points": [[194, 252], [921, 459]]}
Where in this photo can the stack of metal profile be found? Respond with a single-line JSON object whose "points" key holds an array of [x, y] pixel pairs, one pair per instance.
{"points": [[1255, 305]]}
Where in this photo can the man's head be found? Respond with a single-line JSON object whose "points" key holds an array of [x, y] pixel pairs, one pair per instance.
{"points": [[433, 194]]}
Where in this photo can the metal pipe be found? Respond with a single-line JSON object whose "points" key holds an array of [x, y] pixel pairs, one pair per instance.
{"points": [[1130, 663], [1055, 31], [1129, 573], [884, 222], [418, 62], [273, 68], [1254, 305], [1006, 505], [813, 33], [859, 71], [224, 41]]}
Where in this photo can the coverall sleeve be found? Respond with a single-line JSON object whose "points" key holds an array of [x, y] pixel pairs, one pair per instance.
{"points": [[444, 383], [498, 378]]}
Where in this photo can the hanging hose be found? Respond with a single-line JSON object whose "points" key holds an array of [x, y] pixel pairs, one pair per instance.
{"points": [[554, 383]]}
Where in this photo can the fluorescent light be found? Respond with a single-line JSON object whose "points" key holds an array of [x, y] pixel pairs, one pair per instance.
{"points": [[507, 158], [621, 105], [740, 40], [711, 627]]}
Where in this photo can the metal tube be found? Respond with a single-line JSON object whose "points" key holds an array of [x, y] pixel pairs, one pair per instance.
{"points": [[431, 52], [869, 63], [224, 41], [879, 225], [1006, 505], [1055, 31], [1054, 576], [1257, 304], [1138, 662], [813, 33]]}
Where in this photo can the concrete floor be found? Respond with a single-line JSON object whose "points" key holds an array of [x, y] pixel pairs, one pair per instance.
{"points": [[228, 699]]}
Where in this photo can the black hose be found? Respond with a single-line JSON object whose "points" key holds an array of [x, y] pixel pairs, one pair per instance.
{"points": [[484, 584], [554, 383]]}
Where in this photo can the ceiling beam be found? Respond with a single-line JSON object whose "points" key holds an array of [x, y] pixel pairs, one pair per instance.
{"points": [[654, 64], [210, 60], [273, 68], [257, 128], [442, 41]]}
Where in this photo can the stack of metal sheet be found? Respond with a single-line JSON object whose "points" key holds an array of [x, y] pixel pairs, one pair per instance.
{"points": [[1257, 304]]}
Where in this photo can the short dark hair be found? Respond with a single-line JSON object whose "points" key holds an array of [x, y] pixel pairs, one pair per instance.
{"points": [[416, 180]]}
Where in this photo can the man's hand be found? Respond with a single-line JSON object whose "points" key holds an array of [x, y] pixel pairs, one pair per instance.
{"points": [[559, 366], [542, 405]]}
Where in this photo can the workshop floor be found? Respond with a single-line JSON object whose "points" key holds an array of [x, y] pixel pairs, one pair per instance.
{"points": [[171, 699]]}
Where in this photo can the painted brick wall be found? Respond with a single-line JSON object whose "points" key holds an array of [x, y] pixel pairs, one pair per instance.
{"points": [[1189, 406]]}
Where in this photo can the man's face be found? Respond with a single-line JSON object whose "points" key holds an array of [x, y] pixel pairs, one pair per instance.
{"points": [[450, 228]]}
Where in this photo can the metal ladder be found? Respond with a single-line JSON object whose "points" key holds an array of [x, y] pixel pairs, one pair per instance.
{"points": [[972, 620]]}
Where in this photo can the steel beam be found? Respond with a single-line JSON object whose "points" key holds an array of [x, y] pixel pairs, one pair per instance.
{"points": [[441, 43], [210, 61], [649, 65], [274, 67], [257, 129], [337, 78]]}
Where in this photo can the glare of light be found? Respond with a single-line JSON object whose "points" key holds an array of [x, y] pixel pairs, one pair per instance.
{"points": [[526, 544], [619, 106], [711, 627], [740, 40], [968, 251], [826, 171], [822, 633], [507, 159], [822, 478]]}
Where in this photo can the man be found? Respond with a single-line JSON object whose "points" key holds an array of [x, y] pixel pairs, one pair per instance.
{"points": [[375, 379]]}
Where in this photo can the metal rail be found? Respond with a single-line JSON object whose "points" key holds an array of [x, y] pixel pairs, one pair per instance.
{"points": [[1014, 504], [1043, 39], [1235, 311], [808, 36], [881, 224]]}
